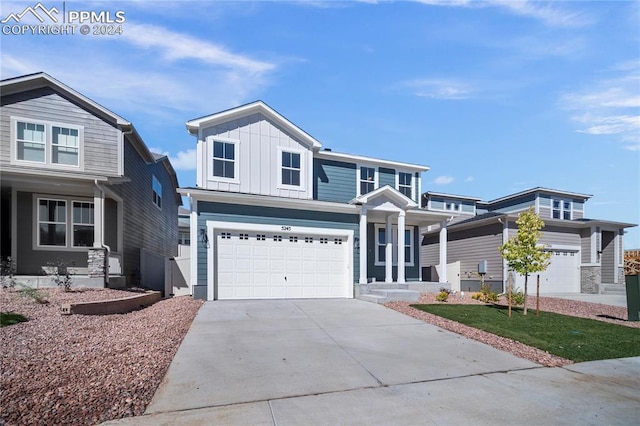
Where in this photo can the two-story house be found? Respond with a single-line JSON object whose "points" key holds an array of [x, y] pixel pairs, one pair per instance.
{"points": [[587, 254], [274, 215], [79, 186]]}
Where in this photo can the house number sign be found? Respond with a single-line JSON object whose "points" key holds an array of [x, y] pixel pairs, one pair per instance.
{"points": [[285, 228]]}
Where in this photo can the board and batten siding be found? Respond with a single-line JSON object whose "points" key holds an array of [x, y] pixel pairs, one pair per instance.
{"points": [[257, 156], [101, 139], [145, 225], [222, 212], [334, 180], [469, 247], [386, 176]]}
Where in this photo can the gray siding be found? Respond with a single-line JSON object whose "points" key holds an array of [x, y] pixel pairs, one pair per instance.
{"points": [[386, 177], [585, 245], [334, 180], [412, 273], [609, 263], [268, 216], [437, 204], [30, 261], [556, 235], [111, 224], [514, 205], [467, 206], [545, 212], [146, 226], [469, 246], [101, 139]]}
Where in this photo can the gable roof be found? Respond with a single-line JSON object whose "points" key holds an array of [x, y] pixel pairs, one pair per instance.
{"points": [[257, 107], [399, 198]]}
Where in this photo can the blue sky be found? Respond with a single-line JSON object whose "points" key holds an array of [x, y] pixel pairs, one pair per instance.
{"points": [[494, 96]]}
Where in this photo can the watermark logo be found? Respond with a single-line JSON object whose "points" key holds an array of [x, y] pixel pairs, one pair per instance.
{"points": [[57, 20]]}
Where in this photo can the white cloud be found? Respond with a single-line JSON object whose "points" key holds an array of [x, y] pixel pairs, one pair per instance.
{"points": [[551, 16], [438, 88], [184, 160], [609, 106], [443, 180], [470, 179]]}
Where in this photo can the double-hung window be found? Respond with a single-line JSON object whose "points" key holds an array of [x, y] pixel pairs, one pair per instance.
{"points": [[64, 223], [157, 192], [561, 209], [65, 145], [290, 168], [224, 159], [83, 225], [367, 180], [405, 184], [47, 143], [52, 223], [31, 142]]}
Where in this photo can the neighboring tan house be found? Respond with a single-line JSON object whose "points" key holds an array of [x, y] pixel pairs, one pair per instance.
{"points": [[78, 186], [275, 216], [587, 254]]}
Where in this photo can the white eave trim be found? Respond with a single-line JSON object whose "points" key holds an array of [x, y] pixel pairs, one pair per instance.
{"points": [[330, 155], [402, 201], [268, 201], [193, 126]]}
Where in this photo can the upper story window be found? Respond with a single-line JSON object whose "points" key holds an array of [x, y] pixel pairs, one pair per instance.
{"points": [[47, 144], [367, 180], [290, 168], [405, 184], [157, 192], [224, 159], [561, 209], [452, 206]]}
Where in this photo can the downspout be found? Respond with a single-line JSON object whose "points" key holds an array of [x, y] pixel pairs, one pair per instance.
{"points": [[101, 242]]}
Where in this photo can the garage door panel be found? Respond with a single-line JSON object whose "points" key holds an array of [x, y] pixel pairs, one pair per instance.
{"points": [[561, 276], [251, 265]]}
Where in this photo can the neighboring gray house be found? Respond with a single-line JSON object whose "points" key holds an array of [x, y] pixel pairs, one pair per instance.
{"points": [[587, 253], [78, 185]]}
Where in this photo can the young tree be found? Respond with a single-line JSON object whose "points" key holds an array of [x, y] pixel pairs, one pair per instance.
{"points": [[522, 252]]}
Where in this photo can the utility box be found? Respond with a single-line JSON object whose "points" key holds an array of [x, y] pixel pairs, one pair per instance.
{"points": [[633, 297], [482, 267]]}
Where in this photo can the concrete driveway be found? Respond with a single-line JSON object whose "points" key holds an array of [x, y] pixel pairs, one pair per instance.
{"points": [[341, 361]]}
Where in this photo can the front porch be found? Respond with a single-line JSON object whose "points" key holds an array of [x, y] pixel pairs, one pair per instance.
{"points": [[50, 223], [389, 237]]}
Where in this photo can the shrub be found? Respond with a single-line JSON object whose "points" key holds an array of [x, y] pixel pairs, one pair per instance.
{"points": [[486, 295], [443, 296], [7, 271], [59, 273], [517, 297], [10, 318], [32, 293]]}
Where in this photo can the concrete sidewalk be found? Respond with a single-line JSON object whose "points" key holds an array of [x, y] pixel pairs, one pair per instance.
{"points": [[351, 362]]}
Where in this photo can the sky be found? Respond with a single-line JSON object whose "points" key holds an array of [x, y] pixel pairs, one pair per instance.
{"points": [[494, 96]]}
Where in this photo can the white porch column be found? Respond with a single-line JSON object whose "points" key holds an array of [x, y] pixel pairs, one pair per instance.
{"points": [[443, 251], [401, 265], [363, 246], [388, 252], [98, 217]]}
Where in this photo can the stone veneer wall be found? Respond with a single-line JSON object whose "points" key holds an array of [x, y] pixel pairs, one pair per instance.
{"points": [[621, 275], [97, 262], [590, 279]]}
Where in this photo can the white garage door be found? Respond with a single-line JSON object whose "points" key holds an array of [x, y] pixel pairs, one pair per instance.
{"points": [[562, 274], [271, 265]]}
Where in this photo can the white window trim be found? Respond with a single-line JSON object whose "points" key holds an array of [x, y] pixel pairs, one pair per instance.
{"points": [[236, 160], [394, 231], [154, 179], [375, 177], [48, 144], [413, 183], [303, 171], [562, 209], [69, 222], [73, 223]]}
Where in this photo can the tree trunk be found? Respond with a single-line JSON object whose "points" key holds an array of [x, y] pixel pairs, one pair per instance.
{"points": [[538, 297], [526, 279]]}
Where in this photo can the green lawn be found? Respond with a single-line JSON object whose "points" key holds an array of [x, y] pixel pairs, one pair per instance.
{"points": [[10, 318], [577, 339]]}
